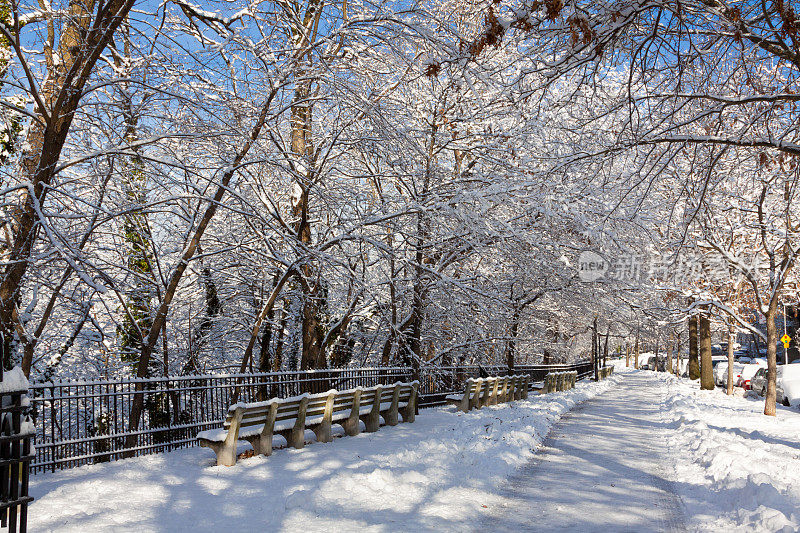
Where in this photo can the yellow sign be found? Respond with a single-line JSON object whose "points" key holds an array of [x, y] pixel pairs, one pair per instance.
{"points": [[786, 339]]}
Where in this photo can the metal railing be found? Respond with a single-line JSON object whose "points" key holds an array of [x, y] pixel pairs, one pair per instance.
{"points": [[15, 457], [85, 422]]}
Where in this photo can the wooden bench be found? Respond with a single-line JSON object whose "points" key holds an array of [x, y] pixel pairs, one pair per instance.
{"points": [[481, 392], [258, 422], [559, 381], [606, 372]]}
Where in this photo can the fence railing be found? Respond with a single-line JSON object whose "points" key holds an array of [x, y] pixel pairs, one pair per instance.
{"points": [[85, 422], [15, 452]]}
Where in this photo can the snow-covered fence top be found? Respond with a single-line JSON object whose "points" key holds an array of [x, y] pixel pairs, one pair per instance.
{"points": [[85, 422], [13, 380]]}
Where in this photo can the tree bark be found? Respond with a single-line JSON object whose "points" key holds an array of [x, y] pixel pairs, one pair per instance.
{"points": [[511, 347], [694, 363], [312, 355], [277, 361], [706, 369], [772, 354], [669, 355], [731, 337], [595, 350]]}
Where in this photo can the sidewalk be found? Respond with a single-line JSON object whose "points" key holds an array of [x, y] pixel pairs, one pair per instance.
{"points": [[600, 469]]}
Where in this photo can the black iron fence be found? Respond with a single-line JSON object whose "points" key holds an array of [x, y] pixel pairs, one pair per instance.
{"points": [[16, 434], [85, 422]]}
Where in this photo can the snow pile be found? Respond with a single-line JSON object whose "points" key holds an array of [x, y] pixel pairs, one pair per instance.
{"points": [[736, 469], [14, 380], [437, 473]]}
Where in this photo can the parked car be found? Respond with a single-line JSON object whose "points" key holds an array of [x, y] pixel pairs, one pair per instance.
{"points": [[651, 364], [720, 371], [717, 359], [758, 383], [788, 385], [748, 371], [737, 373]]}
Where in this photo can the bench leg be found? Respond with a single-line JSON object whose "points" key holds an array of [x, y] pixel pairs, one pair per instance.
{"points": [[410, 410], [323, 430], [391, 417], [485, 391], [475, 399], [298, 432], [226, 450], [225, 455], [351, 425], [296, 438], [372, 421], [263, 444]]}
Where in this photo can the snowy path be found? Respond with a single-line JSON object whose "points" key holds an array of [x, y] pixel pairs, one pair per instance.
{"points": [[598, 470]]}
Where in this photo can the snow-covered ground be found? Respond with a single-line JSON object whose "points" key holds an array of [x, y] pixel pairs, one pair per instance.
{"points": [[735, 469], [438, 473]]}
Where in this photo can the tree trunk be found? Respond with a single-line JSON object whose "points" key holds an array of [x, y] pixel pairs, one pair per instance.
{"points": [[772, 366], [312, 355], [418, 302], [636, 352], [512, 342], [706, 369], [627, 355], [658, 346], [595, 350], [731, 337], [277, 361], [670, 341], [266, 340], [694, 363], [605, 348]]}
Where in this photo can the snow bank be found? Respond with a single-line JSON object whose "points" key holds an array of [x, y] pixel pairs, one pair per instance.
{"points": [[736, 469], [14, 380], [435, 474]]}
